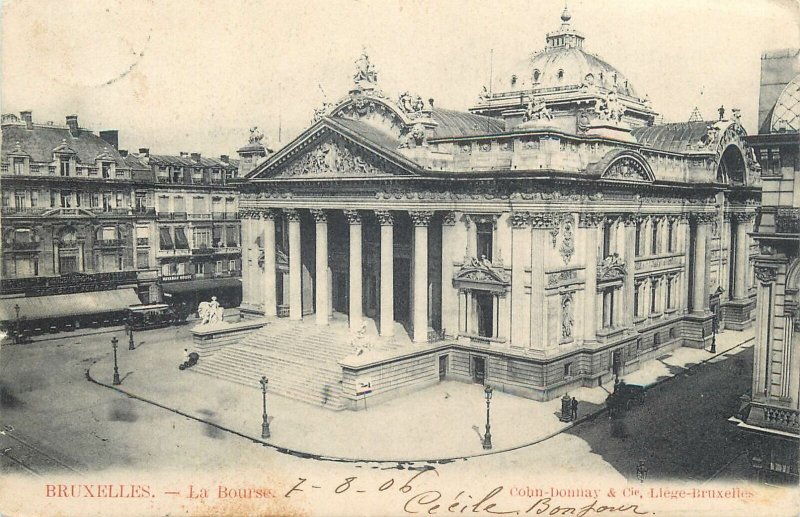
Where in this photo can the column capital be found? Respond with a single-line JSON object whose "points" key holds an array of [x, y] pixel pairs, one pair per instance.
{"points": [[267, 214], [353, 217], [590, 219], [766, 274], [449, 218], [705, 217], [385, 217], [743, 217], [291, 214], [248, 213], [631, 219], [540, 219], [421, 217], [520, 220], [320, 216]]}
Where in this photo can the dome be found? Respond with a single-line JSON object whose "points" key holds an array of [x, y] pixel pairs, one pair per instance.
{"points": [[786, 114], [563, 63], [563, 66]]}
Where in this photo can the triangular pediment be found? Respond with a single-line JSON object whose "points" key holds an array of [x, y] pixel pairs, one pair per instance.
{"points": [[327, 151]]}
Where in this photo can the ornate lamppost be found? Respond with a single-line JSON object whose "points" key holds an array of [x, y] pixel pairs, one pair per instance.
{"points": [[17, 339], [714, 328], [114, 343], [131, 345], [487, 437], [264, 418]]}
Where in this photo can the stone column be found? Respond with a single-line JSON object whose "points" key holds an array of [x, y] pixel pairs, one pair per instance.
{"points": [[421, 220], [295, 266], [247, 277], [541, 224], [741, 255], [386, 220], [591, 224], [700, 279], [684, 239], [467, 311], [356, 281], [321, 264], [268, 226], [520, 300], [452, 248], [630, 270]]}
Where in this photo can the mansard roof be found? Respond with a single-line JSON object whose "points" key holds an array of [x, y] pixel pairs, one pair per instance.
{"points": [[40, 142]]}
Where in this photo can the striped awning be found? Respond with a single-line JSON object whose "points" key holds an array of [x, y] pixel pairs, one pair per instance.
{"points": [[62, 305]]}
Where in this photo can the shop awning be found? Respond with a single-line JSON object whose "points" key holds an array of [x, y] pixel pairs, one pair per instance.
{"points": [[165, 239], [62, 305], [203, 284], [181, 243]]}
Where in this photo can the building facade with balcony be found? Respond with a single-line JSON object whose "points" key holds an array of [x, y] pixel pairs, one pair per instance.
{"points": [[551, 237], [69, 209], [194, 239], [772, 412]]}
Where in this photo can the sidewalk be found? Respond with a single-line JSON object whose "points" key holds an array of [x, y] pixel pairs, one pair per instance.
{"points": [[444, 421]]}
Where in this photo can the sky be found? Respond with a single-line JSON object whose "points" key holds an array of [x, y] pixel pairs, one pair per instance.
{"points": [[175, 75]]}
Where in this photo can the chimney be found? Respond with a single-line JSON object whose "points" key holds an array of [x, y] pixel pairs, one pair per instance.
{"points": [[184, 154], [111, 136], [224, 158], [27, 116], [196, 157], [144, 151], [123, 152], [72, 122]]}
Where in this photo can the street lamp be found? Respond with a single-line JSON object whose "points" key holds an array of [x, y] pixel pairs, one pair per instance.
{"points": [[16, 333], [487, 437], [131, 345], [264, 418], [114, 343], [714, 326]]}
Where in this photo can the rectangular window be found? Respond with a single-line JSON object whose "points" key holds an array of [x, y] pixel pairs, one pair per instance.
{"points": [[66, 199], [19, 199], [232, 237], [53, 198], [105, 168], [567, 370], [19, 166], [202, 238], [143, 259], [671, 236], [219, 266], [608, 227], [199, 205], [637, 299], [94, 200], [638, 239], [64, 167], [653, 297], [608, 308], [107, 202], [232, 265], [216, 237], [163, 204], [654, 242], [670, 301], [485, 238], [181, 242], [141, 202], [120, 200], [200, 268], [180, 204], [165, 239], [34, 198], [6, 199]]}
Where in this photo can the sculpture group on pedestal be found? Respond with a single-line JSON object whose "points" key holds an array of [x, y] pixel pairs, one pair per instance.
{"points": [[210, 312]]}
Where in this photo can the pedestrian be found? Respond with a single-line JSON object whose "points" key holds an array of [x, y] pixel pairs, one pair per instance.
{"points": [[574, 408]]}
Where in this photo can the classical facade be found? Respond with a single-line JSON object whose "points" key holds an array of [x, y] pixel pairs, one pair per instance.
{"points": [[69, 204], [773, 409], [552, 236]]}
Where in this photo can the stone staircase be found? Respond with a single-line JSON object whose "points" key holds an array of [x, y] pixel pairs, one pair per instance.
{"points": [[299, 359]]}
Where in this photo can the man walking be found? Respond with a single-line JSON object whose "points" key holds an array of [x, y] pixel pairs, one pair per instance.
{"points": [[574, 408]]}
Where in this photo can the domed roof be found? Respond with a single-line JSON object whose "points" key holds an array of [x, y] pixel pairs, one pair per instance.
{"points": [[786, 114], [563, 63], [565, 66]]}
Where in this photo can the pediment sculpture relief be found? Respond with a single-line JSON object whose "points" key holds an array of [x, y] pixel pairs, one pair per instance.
{"points": [[332, 158]]}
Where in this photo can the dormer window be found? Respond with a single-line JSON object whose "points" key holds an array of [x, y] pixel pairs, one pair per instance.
{"points": [[105, 168], [19, 166], [64, 166]]}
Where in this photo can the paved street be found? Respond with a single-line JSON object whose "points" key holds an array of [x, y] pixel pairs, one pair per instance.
{"points": [[67, 422]]}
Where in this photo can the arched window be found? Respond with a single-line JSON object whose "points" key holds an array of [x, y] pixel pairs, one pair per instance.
{"points": [[536, 75]]}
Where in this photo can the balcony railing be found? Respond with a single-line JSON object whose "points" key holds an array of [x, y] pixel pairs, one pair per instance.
{"points": [[23, 246], [142, 241], [201, 216], [68, 283], [225, 216], [23, 211], [171, 216], [109, 243], [787, 220], [204, 250]]}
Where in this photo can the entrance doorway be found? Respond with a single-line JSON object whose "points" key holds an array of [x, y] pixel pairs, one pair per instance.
{"points": [[616, 362], [485, 309], [479, 370], [443, 366]]}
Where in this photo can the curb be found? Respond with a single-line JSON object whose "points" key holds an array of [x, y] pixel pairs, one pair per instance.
{"points": [[308, 455]]}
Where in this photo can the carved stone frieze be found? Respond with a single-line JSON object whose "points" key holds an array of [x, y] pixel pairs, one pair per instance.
{"points": [[333, 157], [478, 273], [590, 219], [520, 220], [568, 239], [743, 217], [541, 219], [626, 169], [705, 217], [611, 268]]}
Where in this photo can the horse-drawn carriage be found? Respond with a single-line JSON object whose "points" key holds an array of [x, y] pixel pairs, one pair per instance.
{"points": [[141, 317], [624, 396]]}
